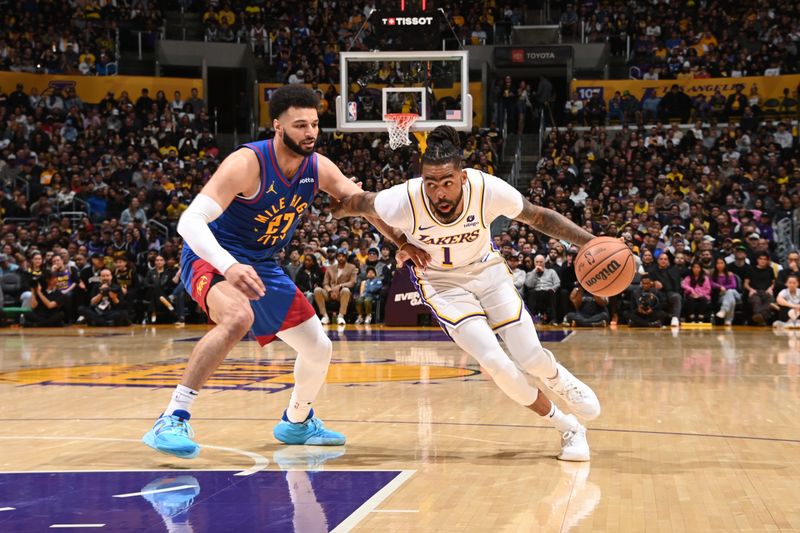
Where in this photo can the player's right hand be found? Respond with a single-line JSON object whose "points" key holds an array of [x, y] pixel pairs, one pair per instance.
{"points": [[245, 278], [338, 209], [409, 252]]}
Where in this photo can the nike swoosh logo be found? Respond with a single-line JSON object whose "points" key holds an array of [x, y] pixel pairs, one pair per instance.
{"points": [[423, 229]]}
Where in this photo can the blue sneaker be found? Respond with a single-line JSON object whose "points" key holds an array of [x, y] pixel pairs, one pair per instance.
{"points": [[172, 435], [306, 458], [171, 495], [311, 432]]}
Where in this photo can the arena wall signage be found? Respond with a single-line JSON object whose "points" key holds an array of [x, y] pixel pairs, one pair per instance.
{"points": [[531, 56], [768, 86], [408, 31], [403, 304], [92, 89]]}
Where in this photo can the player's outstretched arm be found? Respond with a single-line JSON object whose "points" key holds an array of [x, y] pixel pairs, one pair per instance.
{"points": [[552, 223], [355, 205], [332, 181], [239, 173]]}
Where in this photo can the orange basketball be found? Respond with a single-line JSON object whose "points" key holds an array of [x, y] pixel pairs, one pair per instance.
{"points": [[605, 266]]}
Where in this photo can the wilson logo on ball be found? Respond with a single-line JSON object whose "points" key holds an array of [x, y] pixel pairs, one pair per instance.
{"points": [[612, 267]]}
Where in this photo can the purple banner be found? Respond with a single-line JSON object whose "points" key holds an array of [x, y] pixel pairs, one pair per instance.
{"points": [[404, 305]]}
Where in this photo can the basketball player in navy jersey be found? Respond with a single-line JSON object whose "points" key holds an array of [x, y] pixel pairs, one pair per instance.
{"points": [[232, 231]]}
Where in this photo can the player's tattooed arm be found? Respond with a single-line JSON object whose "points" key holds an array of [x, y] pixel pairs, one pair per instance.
{"points": [[553, 224], [363, 204], [359, 204]]}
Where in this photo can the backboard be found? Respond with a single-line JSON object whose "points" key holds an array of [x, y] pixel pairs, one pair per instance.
{"points": [[432, 84]]}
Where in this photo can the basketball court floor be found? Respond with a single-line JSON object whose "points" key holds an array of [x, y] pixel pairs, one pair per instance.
{"points": [[700, 432]]}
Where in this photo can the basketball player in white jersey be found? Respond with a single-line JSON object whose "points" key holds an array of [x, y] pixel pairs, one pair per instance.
{"points": [[467, 285]]}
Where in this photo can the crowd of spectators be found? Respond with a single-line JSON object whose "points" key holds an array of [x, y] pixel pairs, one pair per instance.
{"points": [[306, 39], [90, 195], [87, 187], [61, 37], [697, 206], [93, 194], [693, 39]]}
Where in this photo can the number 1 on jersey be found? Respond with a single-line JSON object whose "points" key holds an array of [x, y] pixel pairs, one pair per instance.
{"points": [[447, 261]]}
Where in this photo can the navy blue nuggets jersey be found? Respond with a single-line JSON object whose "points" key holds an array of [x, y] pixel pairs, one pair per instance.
{"points": [[254, 230]]}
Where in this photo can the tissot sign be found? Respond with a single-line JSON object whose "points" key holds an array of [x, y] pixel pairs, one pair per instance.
{"points": [[519, 56], [408, 31], [407, 21]]}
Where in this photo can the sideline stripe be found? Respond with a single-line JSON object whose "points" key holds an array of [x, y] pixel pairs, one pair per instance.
{"points": [[259, 461], [64, 526], [369, 506]]}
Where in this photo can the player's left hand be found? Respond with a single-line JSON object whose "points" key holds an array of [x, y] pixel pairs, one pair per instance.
{"points": [[409, 252]]}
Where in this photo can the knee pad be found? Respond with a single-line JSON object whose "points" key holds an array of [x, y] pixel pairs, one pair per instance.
{"points": [[527, 351], [325, 347], [496, 364], [540, 362], [309, 340], [316, 344]]}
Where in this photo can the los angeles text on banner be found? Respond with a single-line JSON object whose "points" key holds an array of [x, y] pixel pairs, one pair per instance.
{"points": [[768, 86]]}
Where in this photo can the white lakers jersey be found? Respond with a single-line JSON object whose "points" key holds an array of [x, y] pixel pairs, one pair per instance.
{"points": [[462, 242]]}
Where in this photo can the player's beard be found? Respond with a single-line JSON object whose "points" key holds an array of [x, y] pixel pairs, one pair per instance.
{"points": [[448, 216], [295, 147]]}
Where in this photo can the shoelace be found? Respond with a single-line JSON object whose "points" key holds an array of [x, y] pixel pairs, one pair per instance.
{"points": [[179, 425], [316, 424], [565, 385], [568, 436], [572, 391]]}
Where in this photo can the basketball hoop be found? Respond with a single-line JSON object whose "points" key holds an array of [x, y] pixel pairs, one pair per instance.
{"points": [[398, 125]]}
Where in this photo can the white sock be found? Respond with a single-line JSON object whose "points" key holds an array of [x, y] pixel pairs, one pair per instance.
{"points": [[182, 400], [314, 351], [559, 420]]}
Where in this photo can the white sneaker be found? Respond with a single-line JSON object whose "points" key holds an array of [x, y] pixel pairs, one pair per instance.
{"points": [[325, 320], [721, 313], [574, 446], [341, 321], [360, 319], [368, 320], [675, 322], [580, 398]]}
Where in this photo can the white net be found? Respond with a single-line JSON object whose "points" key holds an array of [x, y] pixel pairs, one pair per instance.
{"points": [[398, 125]]}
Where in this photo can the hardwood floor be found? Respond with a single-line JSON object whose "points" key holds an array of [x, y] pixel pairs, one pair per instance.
{"points": [[700, 431]]}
